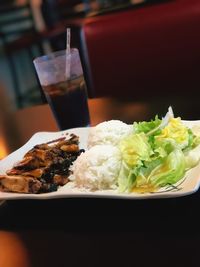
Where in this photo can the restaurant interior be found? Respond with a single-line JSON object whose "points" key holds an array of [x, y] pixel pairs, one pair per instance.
{"points": [[138, 57]]}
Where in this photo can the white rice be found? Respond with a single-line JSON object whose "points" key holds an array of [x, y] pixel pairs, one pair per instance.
{"points": [[98, 168], [108, 132]]}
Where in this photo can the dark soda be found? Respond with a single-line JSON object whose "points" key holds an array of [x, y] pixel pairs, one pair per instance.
{"points": [[68, 101]]}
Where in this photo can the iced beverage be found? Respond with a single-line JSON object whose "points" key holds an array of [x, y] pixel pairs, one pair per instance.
{"points": [[68, 101], [64, 87]]}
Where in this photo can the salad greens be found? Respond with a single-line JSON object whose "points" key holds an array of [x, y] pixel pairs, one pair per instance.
{"points": [[158, 153]]}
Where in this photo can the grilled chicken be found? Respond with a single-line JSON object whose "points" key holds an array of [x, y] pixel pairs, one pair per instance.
{"points": [[37, 173], [43, 168], [19, 184]]}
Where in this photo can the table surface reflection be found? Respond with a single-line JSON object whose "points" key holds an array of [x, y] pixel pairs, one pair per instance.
{"points": [[95, 232], [39, 119]]}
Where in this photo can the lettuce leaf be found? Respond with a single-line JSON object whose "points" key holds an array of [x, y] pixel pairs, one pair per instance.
{"points": [[176, 131], [127, 178], [192, 157], [158, 153], [135, 149], [170, 172], [145, 127]]}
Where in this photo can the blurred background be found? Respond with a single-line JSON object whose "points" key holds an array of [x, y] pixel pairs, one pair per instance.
{"points": [[29, 29], [25, 33], [138, 51]]}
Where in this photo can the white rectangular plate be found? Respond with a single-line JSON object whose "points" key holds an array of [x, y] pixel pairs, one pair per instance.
{"points": [[188, 185]]}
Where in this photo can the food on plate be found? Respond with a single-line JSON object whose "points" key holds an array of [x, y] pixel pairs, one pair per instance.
{"points": [[152, 155], [157, 154], [97, 168], [19, 184], [143, 157], [44, 168], [108, 132]]}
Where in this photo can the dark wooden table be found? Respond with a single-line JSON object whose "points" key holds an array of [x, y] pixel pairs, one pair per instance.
{"points": [[97, 232]]}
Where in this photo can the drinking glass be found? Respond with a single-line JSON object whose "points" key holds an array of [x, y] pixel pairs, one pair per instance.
{"points": [[62, 80]]}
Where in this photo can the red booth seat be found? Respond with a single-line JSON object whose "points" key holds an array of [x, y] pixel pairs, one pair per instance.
{"points": [[144, 52]]}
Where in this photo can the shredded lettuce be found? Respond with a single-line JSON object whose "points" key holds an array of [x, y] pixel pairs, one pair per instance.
{"points": [[147, 126], [170, 171], [192, 157], [176, 131], [135, 149], [158, 153]]}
